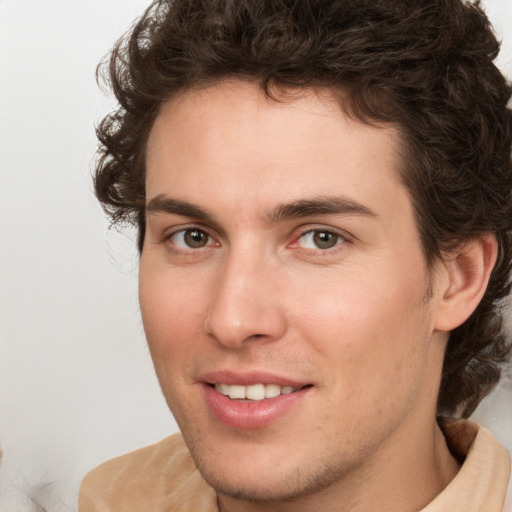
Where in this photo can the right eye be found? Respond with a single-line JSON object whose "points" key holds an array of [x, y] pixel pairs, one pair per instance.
{"points": [[321, 239], [190, 238]]}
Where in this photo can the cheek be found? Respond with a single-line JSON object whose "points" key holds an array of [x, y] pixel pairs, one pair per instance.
{"points": [[373, 333], [171, 317]]}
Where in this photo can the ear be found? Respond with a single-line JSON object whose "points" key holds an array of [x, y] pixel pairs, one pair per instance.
{"points": [[461, 281]]}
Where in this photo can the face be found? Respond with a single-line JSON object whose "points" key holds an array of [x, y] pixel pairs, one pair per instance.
{"points": [[283, 291]]}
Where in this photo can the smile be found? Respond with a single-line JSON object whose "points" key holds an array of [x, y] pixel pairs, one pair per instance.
{"points": [[254, 392], [255, 405]]}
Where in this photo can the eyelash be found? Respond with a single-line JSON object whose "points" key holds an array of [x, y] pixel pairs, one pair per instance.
{"points": [[183, 232], [341, 239]]}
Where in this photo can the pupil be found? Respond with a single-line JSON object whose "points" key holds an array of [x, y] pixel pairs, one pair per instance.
{"points": [[195, 238], [324, 239]]}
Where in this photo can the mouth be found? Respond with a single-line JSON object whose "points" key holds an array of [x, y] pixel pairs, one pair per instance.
{"points": [[254, 392], [252, 400]]}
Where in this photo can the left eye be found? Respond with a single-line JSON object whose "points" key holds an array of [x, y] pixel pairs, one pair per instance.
{"points": [[320, 239], [191, 238]]}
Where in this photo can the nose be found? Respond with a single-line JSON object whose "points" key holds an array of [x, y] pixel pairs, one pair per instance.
{"points": [[246, 305]]}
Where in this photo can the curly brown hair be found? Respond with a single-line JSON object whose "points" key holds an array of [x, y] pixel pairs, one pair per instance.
{"points": [[426, 67]]}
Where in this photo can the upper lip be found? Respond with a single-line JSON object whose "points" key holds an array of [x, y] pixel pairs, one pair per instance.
{"points": [[248, 378]]}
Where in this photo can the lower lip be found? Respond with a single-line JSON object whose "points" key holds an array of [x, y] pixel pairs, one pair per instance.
{"points": [[250, 415]]}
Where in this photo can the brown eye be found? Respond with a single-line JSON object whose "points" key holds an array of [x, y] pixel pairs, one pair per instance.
{"points": [[195, 238], [320, 239], [190, 239], [325, 239]]}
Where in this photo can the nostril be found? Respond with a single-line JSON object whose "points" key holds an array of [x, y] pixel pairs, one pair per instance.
{"points": [[234, 322]]}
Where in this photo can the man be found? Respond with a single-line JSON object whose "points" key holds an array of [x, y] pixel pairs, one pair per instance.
{"points": [[323, 196]]}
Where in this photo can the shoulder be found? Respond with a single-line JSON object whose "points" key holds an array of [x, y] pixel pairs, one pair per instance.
{"points": [[482, 481], [158, 477]]}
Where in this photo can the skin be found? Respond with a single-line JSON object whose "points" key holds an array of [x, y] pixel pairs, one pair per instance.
{"points": [[354, 320]]}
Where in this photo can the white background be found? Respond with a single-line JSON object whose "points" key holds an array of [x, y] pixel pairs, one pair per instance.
{"points": [[76, 382]]}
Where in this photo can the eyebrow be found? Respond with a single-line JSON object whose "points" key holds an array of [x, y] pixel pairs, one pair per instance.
{"points": [[337, 205], [328, 205], [169, 205]]}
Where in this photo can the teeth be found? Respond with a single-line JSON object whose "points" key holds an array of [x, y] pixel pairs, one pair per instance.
{"points": [[254, 392], [222, 388], [272, 390], [236, 392]]}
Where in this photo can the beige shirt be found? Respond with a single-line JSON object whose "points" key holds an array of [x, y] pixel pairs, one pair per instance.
{"points": [[163, 478]]}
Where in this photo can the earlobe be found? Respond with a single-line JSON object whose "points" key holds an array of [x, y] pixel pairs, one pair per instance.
{"points": [[463, 279]]}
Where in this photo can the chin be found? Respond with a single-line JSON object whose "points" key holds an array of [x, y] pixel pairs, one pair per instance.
{"points": [[267, 481], [265, 489]]}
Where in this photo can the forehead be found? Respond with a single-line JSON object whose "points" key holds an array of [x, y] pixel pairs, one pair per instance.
{"points": [[231, 139]]}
